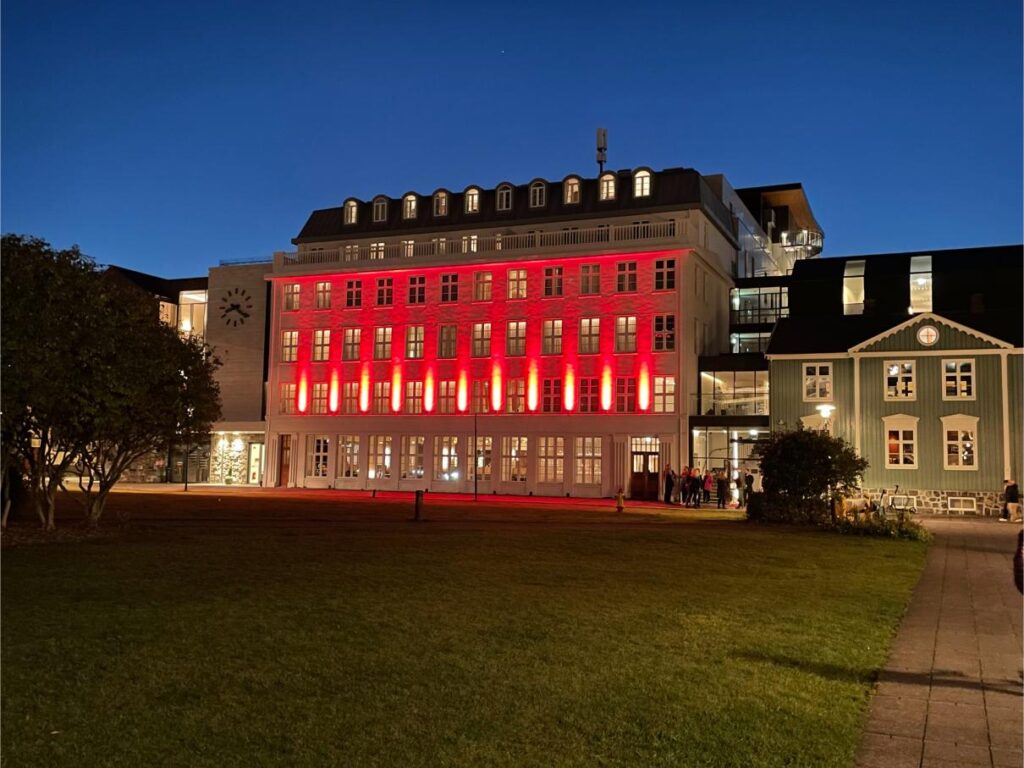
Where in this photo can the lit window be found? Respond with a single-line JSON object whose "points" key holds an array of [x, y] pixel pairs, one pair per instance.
{"points": [[590, 335], [472, 200], [482, 286], [552, 337], [571, 191], [481, 396], [385, 291], [382, 397], [441, 204], [817, 382], [853, 287], [414, 342], [348, 455], [351, 212], [959, 432], [317, 448], [449, 288], [606, 186], [514, 459], [440, 245], [380, 457], [412, 457], [515, 395], [642, 184], [504, 197], [380, 209], [409, 207], [958, 379], [350, 343], [625, 395], [353, 293], [413, 397], [289, 346], [481, 339], [551, 398], [318, 403], [291, 296], [446, 397], [446, 339], [351, 253], [323, 295], [382, 343], [377, 251], [588, 460], [664, 333], [538, 194], [469, 243], [446, 457], [408, 248], [480, 451], [350, 397], [625, 334], [287, 404], [589, 396], [625, 277], [900, 441], [920, 284], [417, 289], [321, 345], [590, 279], [515, 338], [664, 394], [517, 283], [899, 380], [664, 274], [552, 281], [550, 459]]}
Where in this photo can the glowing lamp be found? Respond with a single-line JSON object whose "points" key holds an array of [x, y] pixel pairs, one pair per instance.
{"points": [[364, 390], [428, 391], [462, 393], [532, 398], [303, 397], [569, 389], [496, 388], [396, 389], [643, 388], [332, 397], [826, 410], [606, 388]]}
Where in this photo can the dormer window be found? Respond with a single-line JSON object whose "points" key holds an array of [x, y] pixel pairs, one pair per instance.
{"points": [[351, 212], [571, 191], [642, 184], [606, 186], [538, 194], [504, 197], [473, 200], [441, 204], [409, 207], [380, 209]]}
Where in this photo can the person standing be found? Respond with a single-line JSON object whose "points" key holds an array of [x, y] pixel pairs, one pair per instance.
{"points": [[696, 487], [748, 483], [1011, 499], [669, 483], [709, 482], [723, 488]]}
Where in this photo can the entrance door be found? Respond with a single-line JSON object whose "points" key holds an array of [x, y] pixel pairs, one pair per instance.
{"points": [[255, 463], [285, 463], [646, 467]]}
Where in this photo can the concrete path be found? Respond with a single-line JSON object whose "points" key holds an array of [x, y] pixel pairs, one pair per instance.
{"points": [[951, 692]]}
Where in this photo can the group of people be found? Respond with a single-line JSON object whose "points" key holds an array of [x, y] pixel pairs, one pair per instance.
{"points": [[691, 487]]}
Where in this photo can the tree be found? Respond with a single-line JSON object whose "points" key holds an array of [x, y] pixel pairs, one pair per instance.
{"points": [[805, 469]]}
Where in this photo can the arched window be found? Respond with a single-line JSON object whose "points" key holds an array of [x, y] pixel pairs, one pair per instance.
{"points": [[642, 184], [571, 191], [380, 209], [606, 186], [472, 200], [504, 197], [538, 194], [351, 212], [409, 207], [440, 203]]}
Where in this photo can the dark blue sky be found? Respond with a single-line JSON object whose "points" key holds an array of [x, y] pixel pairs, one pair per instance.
{"points": [[165, 137]]}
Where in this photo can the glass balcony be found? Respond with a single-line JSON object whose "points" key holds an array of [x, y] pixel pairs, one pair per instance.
{"points": [[732, 393]]}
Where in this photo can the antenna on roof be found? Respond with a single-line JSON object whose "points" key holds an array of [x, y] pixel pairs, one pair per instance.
{"points": [[602, 148]]}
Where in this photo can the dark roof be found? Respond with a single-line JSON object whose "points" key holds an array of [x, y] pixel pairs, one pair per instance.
{"points": [[994, 256], [158, 286], [671, 189]]}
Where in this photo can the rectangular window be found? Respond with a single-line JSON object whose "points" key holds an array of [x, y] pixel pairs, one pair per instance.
{"points": [[350, 343], [323, 295], [664, 333], [480, 451], [590, 279], [318, 404], [481, 339], [377, 251], [481, 395], [550, 459], [446, 341], [551, 401], [517, 284], [572, 191], [515, 338], [317, 449], [552, 281], [351, 253], [664, 394], [469, 243], [588, 460], [385, 291], [350, 397], [482, 286], [920, 284], [625, 334], [380, 210], [379, 458], [291, 296], [538, 195], [413, 397], [961, 505], [446, 397], [409, 207], [446, 457], [449, 288], [418, 289], [441, 204], [440, 245], [515, 396], [321, 345], [606, 189], [625, 277], [414, 342], [472, 201], [353, 293], [504, 198], [412, 457], [664, 274], [959, 449], [853, 287], [590, 335], [514, 459], [625, 395], [901, 447], [348, 455], [899, 380], [382, 397], [958, 379], [552, 337], [287, 404], [589, 396], [289, 346], [382, 343], [817, 382]]}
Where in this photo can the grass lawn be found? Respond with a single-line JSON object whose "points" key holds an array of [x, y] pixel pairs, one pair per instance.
{"points": [[312, 631]]}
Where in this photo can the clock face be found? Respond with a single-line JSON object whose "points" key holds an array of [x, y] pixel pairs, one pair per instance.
{"points": [[928, 335], [235, 307]]}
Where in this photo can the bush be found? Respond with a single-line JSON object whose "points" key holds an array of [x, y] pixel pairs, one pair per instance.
{"points": [[778, 508], [890, 528]]}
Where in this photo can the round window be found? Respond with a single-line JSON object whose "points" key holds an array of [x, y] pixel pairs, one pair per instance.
{"points": [[927, 335]]}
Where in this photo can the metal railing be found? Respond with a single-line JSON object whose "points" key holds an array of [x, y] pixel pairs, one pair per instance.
{"points": [[731, 405], [757, 315], [811, 239]]}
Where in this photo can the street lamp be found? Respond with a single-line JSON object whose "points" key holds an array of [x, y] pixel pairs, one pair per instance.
{"points": [[826, 410]]}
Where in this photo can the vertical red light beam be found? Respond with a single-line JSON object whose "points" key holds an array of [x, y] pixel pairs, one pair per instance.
{"points": [[643, 388], [428, 391], [364, 389], [606, 388], [532, 393], [461, 393], [332, 402], [396, 389], [303, 397], [569, 389], [496, 387]]}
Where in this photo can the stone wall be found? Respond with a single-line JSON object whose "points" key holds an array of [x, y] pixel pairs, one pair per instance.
{"points": [[151, 468], [987, 503]]}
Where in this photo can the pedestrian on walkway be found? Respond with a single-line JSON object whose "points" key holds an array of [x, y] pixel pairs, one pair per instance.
{"points": [[679, 496], [669, 483], [696, 488], [723, 488], [1011, 501], [709, 483]]}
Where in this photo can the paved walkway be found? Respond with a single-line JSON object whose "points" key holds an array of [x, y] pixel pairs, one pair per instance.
{"points": [[951, 692]]}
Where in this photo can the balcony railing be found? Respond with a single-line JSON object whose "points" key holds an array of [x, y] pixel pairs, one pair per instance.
{"points": [[498, 243], [811, 239], [757, 315], [731, 405]]}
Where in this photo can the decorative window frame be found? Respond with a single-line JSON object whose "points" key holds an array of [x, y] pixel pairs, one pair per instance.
{"points": [[440, 202], [974, 378], [380, 209], [471, 200], [538, 194], [831, 380], [959, 422], [351, 212], [567, 184], [410, 206], [606, 187], [960, 507], [641, 189], [885, 383], [901, 422], [503, 197]]}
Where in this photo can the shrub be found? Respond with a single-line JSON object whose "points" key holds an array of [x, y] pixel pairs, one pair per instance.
{"points": [[901, 527], [772, 507]]}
